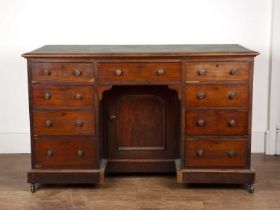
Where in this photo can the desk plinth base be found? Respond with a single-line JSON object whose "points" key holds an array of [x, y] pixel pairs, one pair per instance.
{"points": [[96, 176], [71, 176], [141, 166], [218, 176]]}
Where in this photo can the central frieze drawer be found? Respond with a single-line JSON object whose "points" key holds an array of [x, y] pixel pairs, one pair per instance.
{"points": [[63, 95], [139, 72], [64, 123], [217, 95], [204, 71], [65, 153], [218, 153], [216, 122]]}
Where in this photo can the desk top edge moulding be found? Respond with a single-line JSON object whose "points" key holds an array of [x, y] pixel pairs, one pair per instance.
{"points": [[140, 50], [97, 109]]}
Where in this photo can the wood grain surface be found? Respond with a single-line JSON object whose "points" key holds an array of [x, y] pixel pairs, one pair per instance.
{"points": [[227, 95], [139, 72], [215, 153], [73, 96], [62, 72], [64, 123], [221, 71], [151, 98], [216, 122], [65, 153], [138, 192]]}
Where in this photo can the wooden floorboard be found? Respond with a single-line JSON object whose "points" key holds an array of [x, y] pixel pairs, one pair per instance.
{"points": [[138, 191]]}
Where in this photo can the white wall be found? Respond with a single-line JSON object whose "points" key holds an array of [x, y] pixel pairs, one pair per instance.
{"points": [[28, 24], [272, 139]]}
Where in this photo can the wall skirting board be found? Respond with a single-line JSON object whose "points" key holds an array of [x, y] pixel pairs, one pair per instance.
{"points": [[272, 134], [19, 142], [258, 142], [278, 141]]}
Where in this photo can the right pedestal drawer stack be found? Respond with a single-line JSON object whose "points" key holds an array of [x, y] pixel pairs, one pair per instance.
{"points": [[217, 117]]}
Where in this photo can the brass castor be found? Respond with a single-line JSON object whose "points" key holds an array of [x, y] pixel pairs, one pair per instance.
{"points": [[250, 188], [33, 188]]}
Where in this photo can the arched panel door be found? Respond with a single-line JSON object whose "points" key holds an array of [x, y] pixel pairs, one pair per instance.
{"points": [[143, 122]]}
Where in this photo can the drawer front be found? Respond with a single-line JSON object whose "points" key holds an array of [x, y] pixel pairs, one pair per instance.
{"points": [[217, 95], [62, 72], [62, 96], [64, 123], [78, 153], [216, 122], [216, 153], [203, 71], [139, 72]]}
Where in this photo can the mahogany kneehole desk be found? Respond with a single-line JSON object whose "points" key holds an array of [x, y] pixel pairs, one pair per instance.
{"points": [[142, 108]]}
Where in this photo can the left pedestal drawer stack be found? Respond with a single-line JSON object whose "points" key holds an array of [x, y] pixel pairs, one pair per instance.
{"points": [[63, 117]]}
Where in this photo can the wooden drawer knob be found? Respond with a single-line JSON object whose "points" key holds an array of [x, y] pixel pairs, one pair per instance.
{"points": [[50, 153], [48, 123], [199, 152], [231, 153], [77, 72], [79, 123], [80, 153], [231, 123], [160, 72], [112, 116], [118, 72], [47, 96], [200, 123], [201, 95], [79, 96], [232, 95], [47, 72], [201, 72], [233, 71]]}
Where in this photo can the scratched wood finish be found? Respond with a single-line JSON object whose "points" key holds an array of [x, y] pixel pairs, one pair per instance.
{"points": [[209, 71], [65, 153], [62, 72], [145, 124], [216, 153], [137, 72], [51, 95], [227, 95], [164, 110], [139, 192], [64, 123], [216, 122], [133, 119]]}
